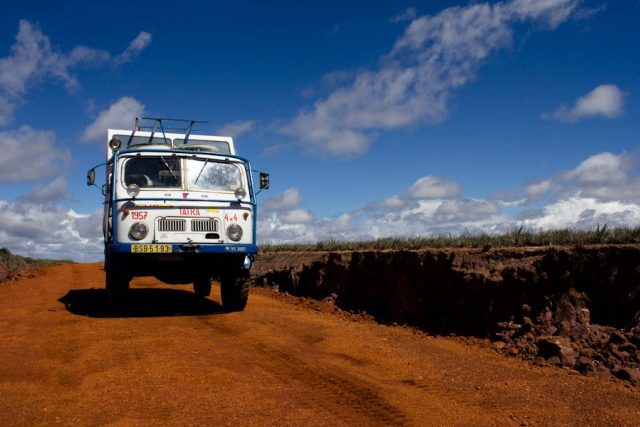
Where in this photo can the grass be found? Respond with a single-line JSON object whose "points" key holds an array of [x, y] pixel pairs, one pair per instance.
{"points": [[11, 265], [516, 237]]}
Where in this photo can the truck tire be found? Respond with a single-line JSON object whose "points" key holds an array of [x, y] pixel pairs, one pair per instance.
{"points": [[202, 285], [234, 290], [116, 279]]}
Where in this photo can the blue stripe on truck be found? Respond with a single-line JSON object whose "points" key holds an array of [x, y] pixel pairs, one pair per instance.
{"points": [[196, 248]]}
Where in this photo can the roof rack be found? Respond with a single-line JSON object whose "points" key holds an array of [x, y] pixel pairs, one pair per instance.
{"points": [[155, 123]]}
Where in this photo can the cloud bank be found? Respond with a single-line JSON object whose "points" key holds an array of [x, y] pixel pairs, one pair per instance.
{"points": [[602, 189]]}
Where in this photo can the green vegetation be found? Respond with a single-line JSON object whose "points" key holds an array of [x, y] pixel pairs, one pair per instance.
{"points": [[516, 237], [11, 265]]}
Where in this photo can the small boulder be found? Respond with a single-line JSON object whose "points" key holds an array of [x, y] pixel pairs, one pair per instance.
{"points": [[628, 347], [527, 325], [555, 360], [584, 365], [628, 374], [617, 337], [560, 347], [499, 345]]}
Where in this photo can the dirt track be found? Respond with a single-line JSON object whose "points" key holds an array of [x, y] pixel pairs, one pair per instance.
{"points": [[166, 357]]}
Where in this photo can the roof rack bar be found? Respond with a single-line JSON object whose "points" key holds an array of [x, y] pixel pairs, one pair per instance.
{"points": [[159, 121], [181, 129], [186, 136]]}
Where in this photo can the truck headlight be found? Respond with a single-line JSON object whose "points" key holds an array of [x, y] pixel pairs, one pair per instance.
{"points": [[139, 231], [133, 190], [234, 232], [240, 193], [115, 144]]}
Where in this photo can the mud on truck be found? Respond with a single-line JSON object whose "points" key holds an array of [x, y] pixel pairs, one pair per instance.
{"points": [[180, 207]]}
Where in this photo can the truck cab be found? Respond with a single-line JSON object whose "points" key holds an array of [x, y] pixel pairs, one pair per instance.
{"points": [[180, 207]]}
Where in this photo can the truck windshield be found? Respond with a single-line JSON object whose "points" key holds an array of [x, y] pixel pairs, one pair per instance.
{"points": [[213, 176], [146, 172]]}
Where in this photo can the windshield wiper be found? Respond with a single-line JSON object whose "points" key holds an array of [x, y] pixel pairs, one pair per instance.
{"points": [[200, 173], [166, 165]]}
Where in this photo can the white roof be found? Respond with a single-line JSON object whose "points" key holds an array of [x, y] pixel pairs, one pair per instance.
{"points": [[208, 141]]}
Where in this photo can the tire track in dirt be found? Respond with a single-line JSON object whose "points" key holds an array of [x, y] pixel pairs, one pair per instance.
{"points": [[347, 398], [335, 391]]}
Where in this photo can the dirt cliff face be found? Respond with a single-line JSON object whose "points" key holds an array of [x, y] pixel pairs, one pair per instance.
{"points": [[574, 307], [4, 273]]}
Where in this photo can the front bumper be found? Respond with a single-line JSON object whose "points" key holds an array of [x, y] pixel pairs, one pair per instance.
{"points": [[196, 248]]}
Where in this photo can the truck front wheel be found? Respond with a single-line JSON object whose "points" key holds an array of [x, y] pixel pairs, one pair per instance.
{"points": [[234, 290], [202, 285], [116, 279]]}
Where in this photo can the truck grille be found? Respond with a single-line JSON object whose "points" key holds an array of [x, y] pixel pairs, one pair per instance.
{"points": [[168, 224], [204, 225]]}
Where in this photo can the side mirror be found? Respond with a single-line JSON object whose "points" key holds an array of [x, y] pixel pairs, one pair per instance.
{"points": [[91, 177], [264, 180]]}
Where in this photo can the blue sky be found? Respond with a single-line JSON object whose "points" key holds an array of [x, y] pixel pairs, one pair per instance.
{"points": [[374, 118]]}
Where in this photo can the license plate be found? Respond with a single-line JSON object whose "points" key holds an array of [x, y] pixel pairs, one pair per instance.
{"points": [[151, 249]]}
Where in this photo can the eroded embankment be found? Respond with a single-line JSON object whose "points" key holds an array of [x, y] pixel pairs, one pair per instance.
{"points": [[574, 307]]}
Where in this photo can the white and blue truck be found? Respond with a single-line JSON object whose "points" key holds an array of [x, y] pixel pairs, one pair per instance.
{"points": [[180, 207]]}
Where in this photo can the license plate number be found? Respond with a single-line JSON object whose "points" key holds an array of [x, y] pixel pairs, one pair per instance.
{"points": [[151, 249]]}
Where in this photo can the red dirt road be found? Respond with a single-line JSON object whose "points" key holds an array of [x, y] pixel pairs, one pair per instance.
{"points": [[165, 357]]}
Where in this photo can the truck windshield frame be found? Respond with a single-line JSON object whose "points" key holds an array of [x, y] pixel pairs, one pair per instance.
{"points": [[170, 172]]}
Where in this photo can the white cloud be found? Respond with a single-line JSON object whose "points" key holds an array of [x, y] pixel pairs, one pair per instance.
{"points": [[50, 231], [33, 58], [464, 211], [604, 176], [286, 200], [283, 218], [237, 128], [434, 56], [296, 216], [537, 189], [432, 187], [29, 155], [137, 45], [431, 206], [120, 115], [551, 12], [605, 101], [584, 213], [393, 202], [48, 192], [602, 189], [408, 15], [603, 168]]}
